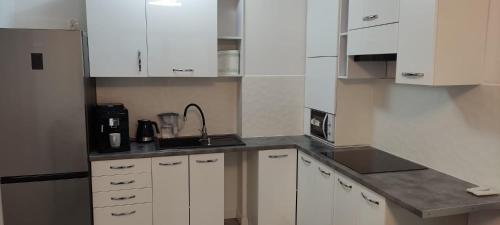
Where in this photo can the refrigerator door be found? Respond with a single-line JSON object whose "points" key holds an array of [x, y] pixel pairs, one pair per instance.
{"points": [[59, 202], [43, 129]]}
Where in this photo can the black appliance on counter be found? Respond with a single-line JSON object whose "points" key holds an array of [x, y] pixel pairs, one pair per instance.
{"points": [[369, 160], [145, 132], [111, 120]]}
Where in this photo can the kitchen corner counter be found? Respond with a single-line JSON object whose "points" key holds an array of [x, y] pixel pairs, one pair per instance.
{"points": [[426, 193]]}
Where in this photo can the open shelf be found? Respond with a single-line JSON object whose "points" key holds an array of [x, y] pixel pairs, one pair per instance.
{"points": [[230, 36]]}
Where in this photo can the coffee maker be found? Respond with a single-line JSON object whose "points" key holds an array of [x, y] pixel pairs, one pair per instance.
{"points": [[112, 130]]}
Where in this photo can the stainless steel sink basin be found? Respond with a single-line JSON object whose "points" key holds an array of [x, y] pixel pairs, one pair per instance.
{"points": [[197, 142]]}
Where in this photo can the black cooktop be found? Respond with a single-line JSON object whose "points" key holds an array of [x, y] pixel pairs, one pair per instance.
{"points": [[367, 160]]}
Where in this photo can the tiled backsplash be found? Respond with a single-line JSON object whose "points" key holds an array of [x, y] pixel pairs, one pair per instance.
{"points": [[145, 98]]}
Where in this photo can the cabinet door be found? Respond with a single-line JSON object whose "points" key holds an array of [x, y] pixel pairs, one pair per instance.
{"points": [[371, 208], [322, 27], [182, 37], [306, 174], [207, 189], [373, 40], [171, 190], [117, 38], [324, 194], [320, 83], [368, 13], [380, 12], [277, 187], [415, 64], [345, 209], [356, 14]]}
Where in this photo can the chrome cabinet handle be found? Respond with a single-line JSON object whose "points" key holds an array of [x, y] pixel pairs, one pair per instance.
{"points": [[324, 172], [306, 161], [122, 198], [413, 75], [139, 59], [124, 214], [121, 167], [370, 17], [122, 182], [344, 184], [278, 156], [369, 200], [207, 161], [170, 164], [183, 70]]}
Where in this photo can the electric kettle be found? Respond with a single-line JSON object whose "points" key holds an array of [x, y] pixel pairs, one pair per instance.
{"points": [[145, 131]]}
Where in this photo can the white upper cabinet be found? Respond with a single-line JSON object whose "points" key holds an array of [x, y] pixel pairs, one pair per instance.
{"points": [[117, 38], [322, 27], [320, 83], [182, 38], [367, 13], [441, 42]]}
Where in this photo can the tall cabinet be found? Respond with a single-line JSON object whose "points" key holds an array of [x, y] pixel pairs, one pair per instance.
{"points": [[117, 38], [321, 62]]}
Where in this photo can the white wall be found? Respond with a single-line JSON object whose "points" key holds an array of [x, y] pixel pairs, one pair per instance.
{"points": [[40, 14], [272, 105], [455, 130]]}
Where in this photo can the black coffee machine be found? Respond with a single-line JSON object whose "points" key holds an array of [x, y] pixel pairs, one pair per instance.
{"points": [[112, 130]]}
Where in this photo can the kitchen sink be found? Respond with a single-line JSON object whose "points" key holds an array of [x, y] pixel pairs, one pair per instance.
{"points": [[197, 142]]}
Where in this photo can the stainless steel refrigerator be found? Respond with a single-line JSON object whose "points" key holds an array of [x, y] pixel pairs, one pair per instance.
{"points": [[44, 99]]}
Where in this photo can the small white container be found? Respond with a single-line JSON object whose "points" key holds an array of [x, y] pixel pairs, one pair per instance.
{"points": [[229, 62]]}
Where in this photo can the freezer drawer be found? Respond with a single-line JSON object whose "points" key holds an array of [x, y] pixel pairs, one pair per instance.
{"points": [[59, 202]]}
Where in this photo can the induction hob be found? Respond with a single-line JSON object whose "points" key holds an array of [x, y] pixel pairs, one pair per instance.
{"points": [[368, 160]]}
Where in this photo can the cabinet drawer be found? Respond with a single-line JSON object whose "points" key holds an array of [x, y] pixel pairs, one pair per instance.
{"points": [[374, 40], [121, 182], [368, 13], [139, 214], [116, 167], [123, 197]]}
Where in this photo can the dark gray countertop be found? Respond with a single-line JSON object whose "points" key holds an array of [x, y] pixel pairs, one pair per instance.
{"points": [[426, 193]]}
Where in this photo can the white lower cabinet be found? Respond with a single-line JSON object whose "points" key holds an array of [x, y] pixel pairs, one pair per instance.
{"points": [[315, 192], [206, 189], [356, 205], [272, 187], [171, 190]]}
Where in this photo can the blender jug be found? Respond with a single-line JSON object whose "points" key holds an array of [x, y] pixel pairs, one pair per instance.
{"points": [[169, 125]]}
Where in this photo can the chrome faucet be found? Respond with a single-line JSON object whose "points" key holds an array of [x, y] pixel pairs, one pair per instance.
{"points": [[204, 135]]}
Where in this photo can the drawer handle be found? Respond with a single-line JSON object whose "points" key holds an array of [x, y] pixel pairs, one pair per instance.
{"points": [[170, 164], [122, 198], [324, 172], [278, 156], [122, 182], [369, 200], [413, 75], [207, 161], [370, 17], [183, 70], [306, 161], [121, 167], [124, 214], [344, 184]]}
